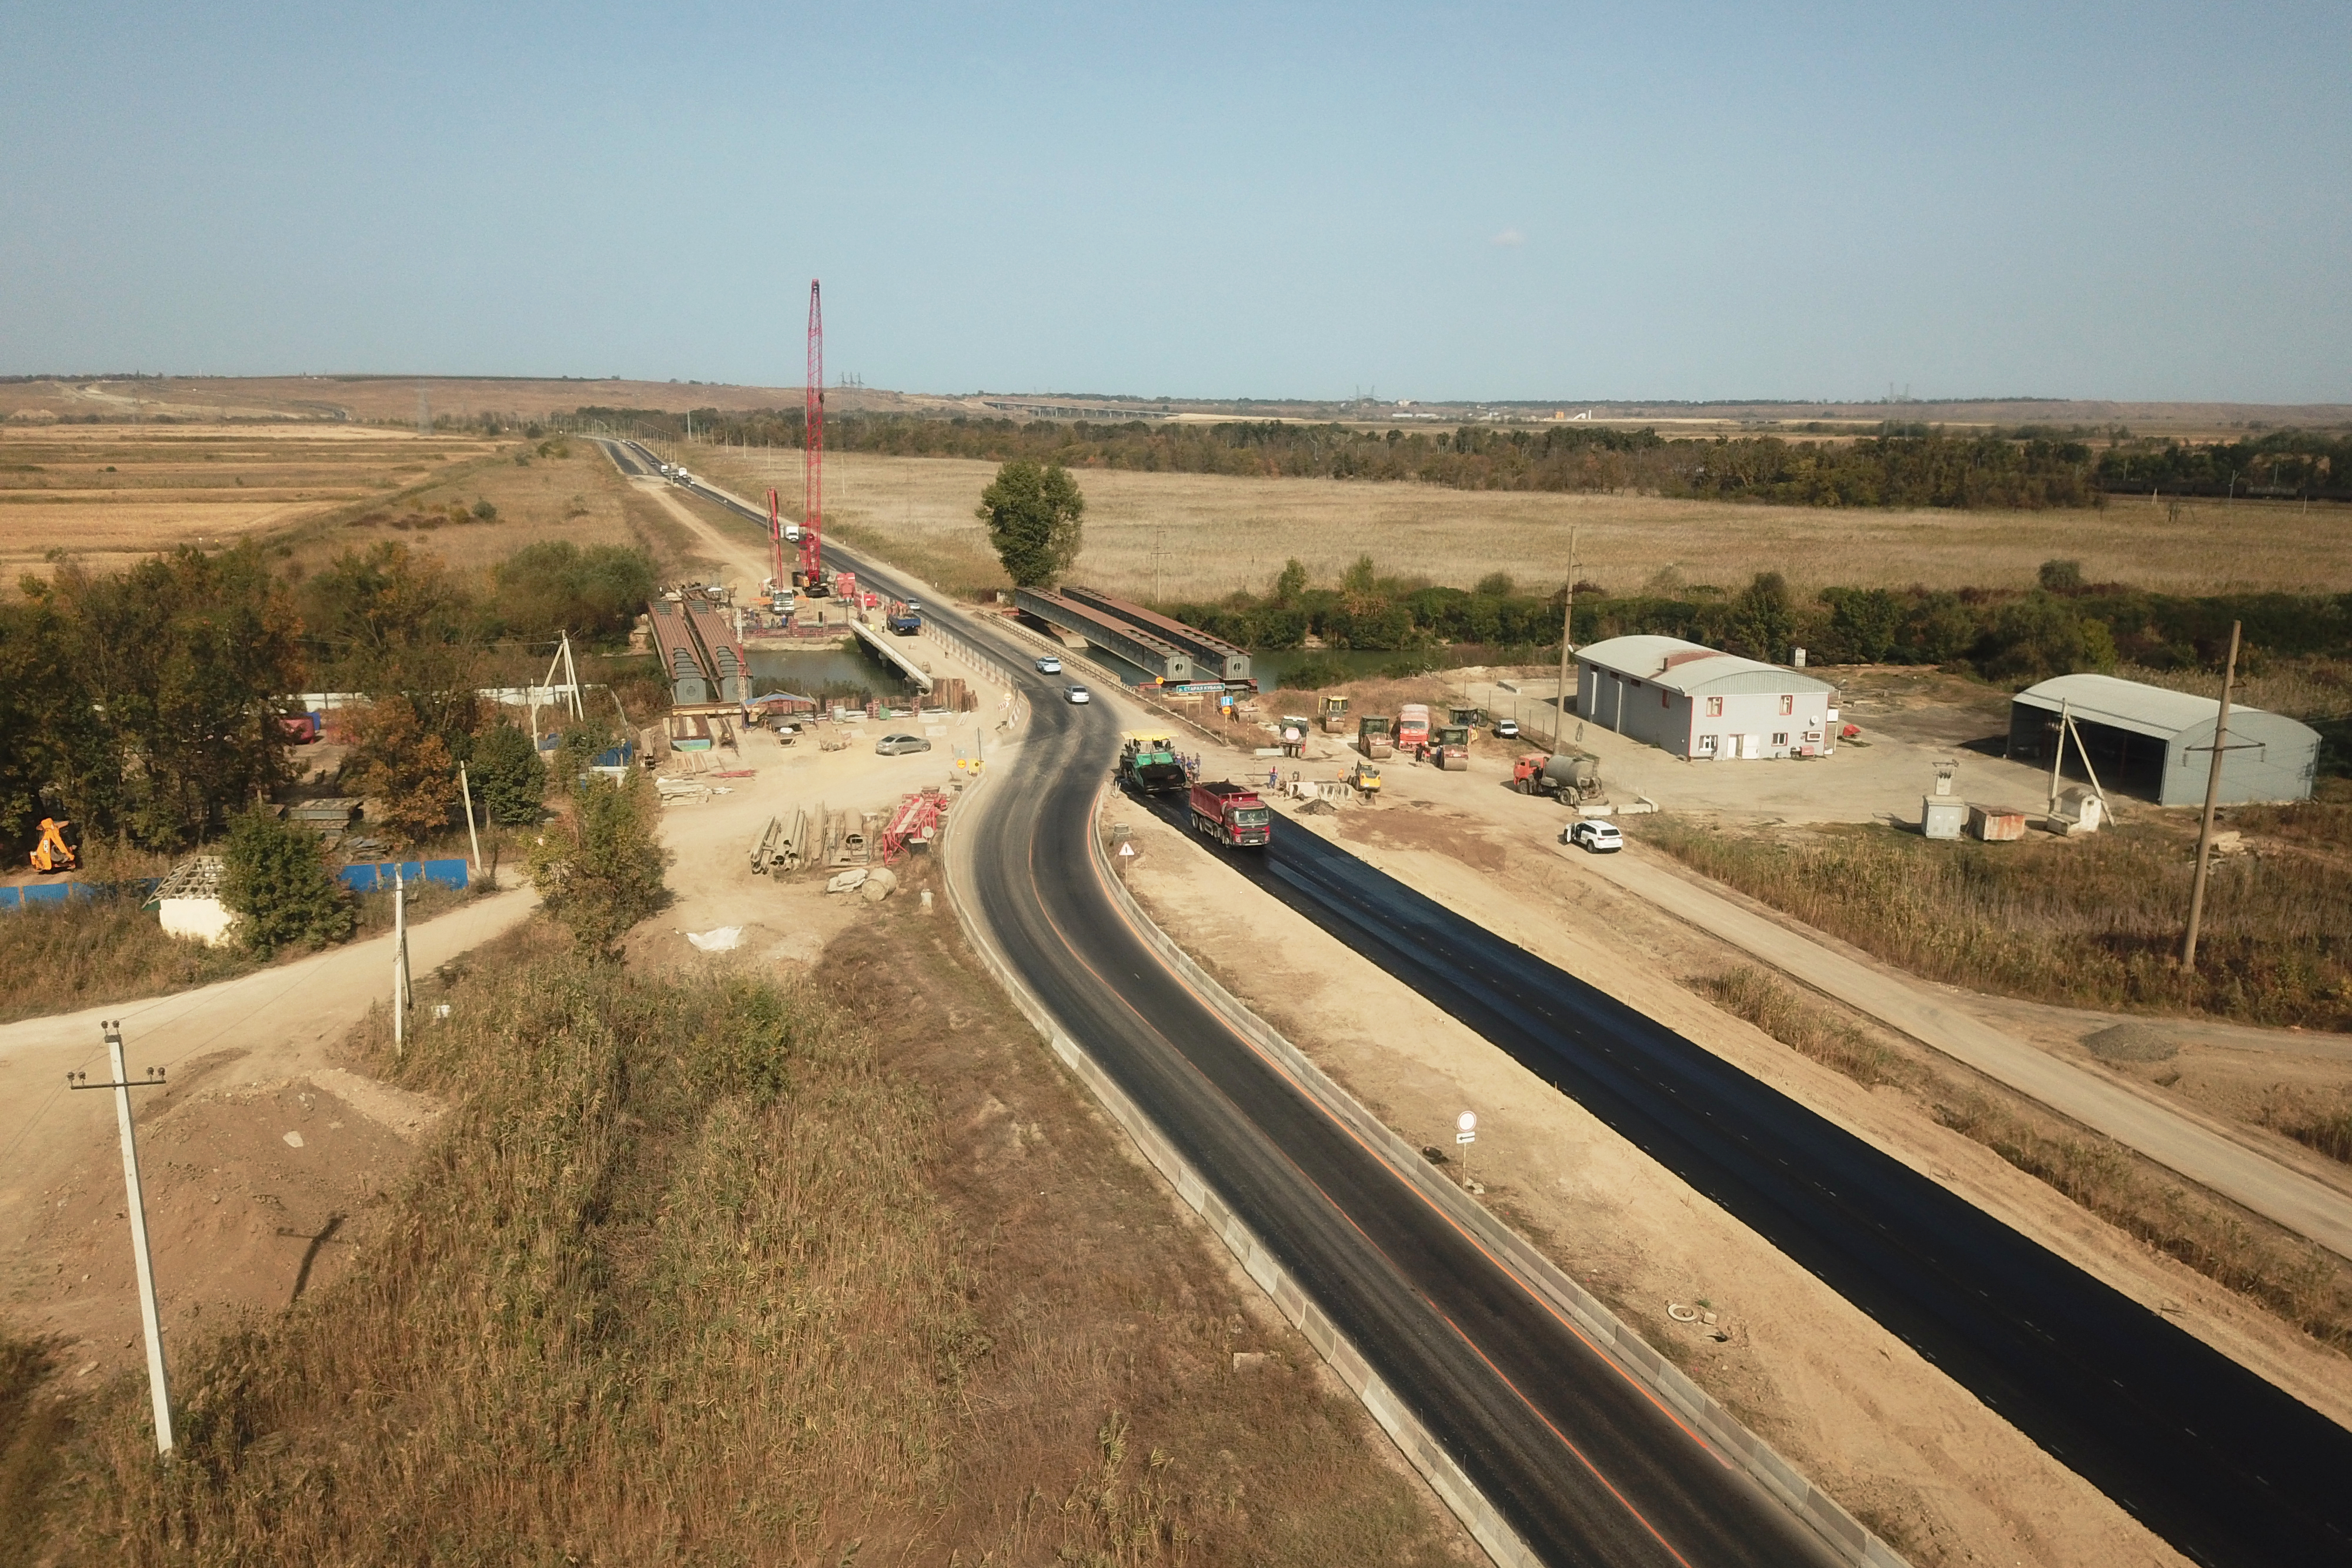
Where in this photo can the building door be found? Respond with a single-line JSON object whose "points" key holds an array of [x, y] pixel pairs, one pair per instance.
{"points": [[1751, 745]]}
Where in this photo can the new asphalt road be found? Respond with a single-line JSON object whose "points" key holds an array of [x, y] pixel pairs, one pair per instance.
{"points": [[2218, 1462]]}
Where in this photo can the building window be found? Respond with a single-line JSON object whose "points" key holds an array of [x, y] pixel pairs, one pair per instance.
{"points": [[1714, 707], [1788, 705], [1706, 745], [1779, 737]]}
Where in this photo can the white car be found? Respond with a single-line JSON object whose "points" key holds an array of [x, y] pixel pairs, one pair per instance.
{"points": [[1049, 666], [1597, 837], [1507, 729], [1079, 695]]}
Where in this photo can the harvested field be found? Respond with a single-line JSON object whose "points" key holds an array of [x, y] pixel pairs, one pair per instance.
{"points": [[1196, 535], [110, 493]]}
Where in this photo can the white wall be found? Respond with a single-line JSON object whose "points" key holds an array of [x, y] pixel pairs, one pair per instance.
{"points": [[1801, 732], [203, 920]]}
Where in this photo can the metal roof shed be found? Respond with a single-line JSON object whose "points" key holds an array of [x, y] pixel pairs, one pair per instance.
{"points": [[2159, 743]]}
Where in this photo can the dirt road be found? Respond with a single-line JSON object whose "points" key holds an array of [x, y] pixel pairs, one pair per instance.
{"points": [[258, 1040]]}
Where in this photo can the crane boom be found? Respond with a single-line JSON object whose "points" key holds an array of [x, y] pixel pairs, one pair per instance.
{"points": [[812, 571]]}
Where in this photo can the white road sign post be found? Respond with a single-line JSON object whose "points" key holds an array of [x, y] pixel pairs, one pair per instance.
{"points": [[1465, 1133]]}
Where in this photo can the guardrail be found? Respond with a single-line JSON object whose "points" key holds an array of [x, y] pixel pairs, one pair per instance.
{"points": [[1588, 1317]]}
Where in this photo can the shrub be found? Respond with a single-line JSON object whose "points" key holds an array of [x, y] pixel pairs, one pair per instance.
{"points": [[598, 868], [507, 775], [275, 880]]}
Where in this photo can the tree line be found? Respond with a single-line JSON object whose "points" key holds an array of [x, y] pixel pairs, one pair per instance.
{"points": [[1905, 465], [144, 704], [2061, 625]]}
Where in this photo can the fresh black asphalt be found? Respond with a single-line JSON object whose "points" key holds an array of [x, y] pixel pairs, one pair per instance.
{"points": [[2218, 1462]]}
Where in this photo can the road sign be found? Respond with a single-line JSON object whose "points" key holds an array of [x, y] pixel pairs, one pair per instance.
{"points": [[1466, 1122], [1465, 1137], [1127, 851]]}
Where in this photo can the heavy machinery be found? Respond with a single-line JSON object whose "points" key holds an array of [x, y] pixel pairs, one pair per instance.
{"points": [[53, 854], [1413, 727], [904, 619], [1573, 776], [1232, 814], [1364, 779], [1148, 765], [1335, 716], [1373, 736], [1449, 748]]}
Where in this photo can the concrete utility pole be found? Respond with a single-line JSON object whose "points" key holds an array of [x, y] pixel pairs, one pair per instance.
{"points": [[400, 997], [159, 1387], [472, 838], [2212, 798]]}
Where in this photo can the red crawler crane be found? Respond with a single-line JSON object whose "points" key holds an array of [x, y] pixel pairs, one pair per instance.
{"points": [[812, 568]]}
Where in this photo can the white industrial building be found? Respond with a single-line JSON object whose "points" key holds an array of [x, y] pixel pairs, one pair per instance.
{"points": [[1702, 703]]}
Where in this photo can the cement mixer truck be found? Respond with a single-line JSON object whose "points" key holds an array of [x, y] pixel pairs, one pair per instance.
{"points": [[1573, 776]]}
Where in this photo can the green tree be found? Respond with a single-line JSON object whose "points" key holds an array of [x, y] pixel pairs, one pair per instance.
{"points": [[391, 623], [2035, 637], [507, 775], [1034, 513], [275, 880], [598, 867], [1290, 584], [1763, 621], [2062, 576], [1496, 585], [189, 657], [1864, 624]]}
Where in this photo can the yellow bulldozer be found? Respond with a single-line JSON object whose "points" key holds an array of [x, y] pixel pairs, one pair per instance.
{"points": [[53, 854]]}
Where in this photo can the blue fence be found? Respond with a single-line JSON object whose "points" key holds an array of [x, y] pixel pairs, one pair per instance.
{"points": [[376, 876], [55, 894]]}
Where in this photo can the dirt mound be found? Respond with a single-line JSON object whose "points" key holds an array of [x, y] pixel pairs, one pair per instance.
{"points": [[2131, 1042]]}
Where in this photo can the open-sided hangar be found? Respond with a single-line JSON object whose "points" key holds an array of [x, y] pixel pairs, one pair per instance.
{"points": [[2148, 741]]}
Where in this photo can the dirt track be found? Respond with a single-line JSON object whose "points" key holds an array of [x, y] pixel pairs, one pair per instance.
{"points": [[233, 1204]]}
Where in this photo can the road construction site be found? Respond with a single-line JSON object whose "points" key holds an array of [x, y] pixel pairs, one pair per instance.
{"points": [[2260, 1342]]}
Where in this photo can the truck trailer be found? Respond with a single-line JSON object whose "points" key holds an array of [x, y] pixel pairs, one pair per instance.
{"points": [[1232, 814]]}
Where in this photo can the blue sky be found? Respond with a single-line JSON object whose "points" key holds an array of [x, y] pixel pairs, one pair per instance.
{"points": [[2144, 202]]}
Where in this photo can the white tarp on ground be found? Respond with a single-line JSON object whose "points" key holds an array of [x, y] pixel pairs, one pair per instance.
{"points": [[722, 939]]}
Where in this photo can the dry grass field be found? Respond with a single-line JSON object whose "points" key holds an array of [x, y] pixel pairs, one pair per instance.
{"points": [[1199, 535], [109, 495]]}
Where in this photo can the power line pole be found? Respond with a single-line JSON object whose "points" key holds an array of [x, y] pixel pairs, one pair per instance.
{"points": [[2212, 798], [1566, 641], [159, 1387], [400, 992], [466, 788]]}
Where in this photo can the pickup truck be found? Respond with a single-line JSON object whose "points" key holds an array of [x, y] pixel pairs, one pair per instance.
{"points": [[906, 620], [1232, 814]]}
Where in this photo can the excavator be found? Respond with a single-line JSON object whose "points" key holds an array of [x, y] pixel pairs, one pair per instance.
{"points": [[53, 854]]}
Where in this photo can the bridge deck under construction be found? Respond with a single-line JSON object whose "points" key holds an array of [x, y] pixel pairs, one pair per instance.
{"points": [[1142, 646]]}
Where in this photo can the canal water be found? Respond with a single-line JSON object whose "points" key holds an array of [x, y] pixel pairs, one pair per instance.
{"points": [[826, 669]]}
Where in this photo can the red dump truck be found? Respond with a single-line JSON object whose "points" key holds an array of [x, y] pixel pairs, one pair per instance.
{"points": [[1231, 814], [1413, 727]]}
